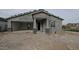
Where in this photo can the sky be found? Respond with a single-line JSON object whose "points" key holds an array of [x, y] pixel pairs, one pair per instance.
{"points": [[69, 15]]}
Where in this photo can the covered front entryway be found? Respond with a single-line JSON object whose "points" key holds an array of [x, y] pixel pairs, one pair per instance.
{"points": [[41, 24], [15, 26]]}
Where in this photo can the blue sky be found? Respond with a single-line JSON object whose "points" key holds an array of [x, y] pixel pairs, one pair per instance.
{"points": [[69, 15]]}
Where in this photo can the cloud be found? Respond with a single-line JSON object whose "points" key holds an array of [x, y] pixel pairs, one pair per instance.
{"points": [[69, 15], [9, 12]]}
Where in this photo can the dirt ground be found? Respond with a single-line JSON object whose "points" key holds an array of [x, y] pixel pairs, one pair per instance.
{"points": [[26, 40]]}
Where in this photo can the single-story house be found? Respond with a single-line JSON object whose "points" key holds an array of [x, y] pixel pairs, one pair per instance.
{"points": [[37, 20]]}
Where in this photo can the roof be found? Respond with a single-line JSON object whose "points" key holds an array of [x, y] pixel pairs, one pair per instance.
{"points": [[34, 12], [2, 19]]}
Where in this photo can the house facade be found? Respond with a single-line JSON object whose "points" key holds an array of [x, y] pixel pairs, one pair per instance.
{"points": [[3, 24], [37, 20]]}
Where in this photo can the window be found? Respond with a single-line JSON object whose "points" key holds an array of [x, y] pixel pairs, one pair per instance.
{"points": [[53, 24]]}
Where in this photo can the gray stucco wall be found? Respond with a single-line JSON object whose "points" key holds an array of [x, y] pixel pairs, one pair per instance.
{"points": [[25, 18], [3, 26], [40, 15], [58, 24]]}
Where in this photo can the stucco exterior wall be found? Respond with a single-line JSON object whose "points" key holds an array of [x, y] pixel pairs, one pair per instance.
{"points": [[58, 24], [25, 18], [3, 26], [40, 15]]}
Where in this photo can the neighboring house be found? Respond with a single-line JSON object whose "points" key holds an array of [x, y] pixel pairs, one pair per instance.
{"points": [[73, 25], [37, 20], [3, 24]]}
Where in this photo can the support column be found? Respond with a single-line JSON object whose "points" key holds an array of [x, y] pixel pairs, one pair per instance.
{"points": [[47, 25], [9, 26], [34, 26]]}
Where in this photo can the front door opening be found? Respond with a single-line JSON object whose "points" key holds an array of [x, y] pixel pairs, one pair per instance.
{"points": [[38, 26]]}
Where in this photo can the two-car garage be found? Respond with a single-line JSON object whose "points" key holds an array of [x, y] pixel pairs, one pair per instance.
{"points": [[15, 26]]}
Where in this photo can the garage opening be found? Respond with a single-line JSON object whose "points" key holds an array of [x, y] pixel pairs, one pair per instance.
{"points": [[22, 26]]}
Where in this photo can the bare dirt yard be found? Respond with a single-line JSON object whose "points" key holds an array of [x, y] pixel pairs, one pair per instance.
{"points": [[26, 40]]}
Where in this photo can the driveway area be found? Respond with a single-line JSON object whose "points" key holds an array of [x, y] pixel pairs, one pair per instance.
{"points": [[26, 40]]}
